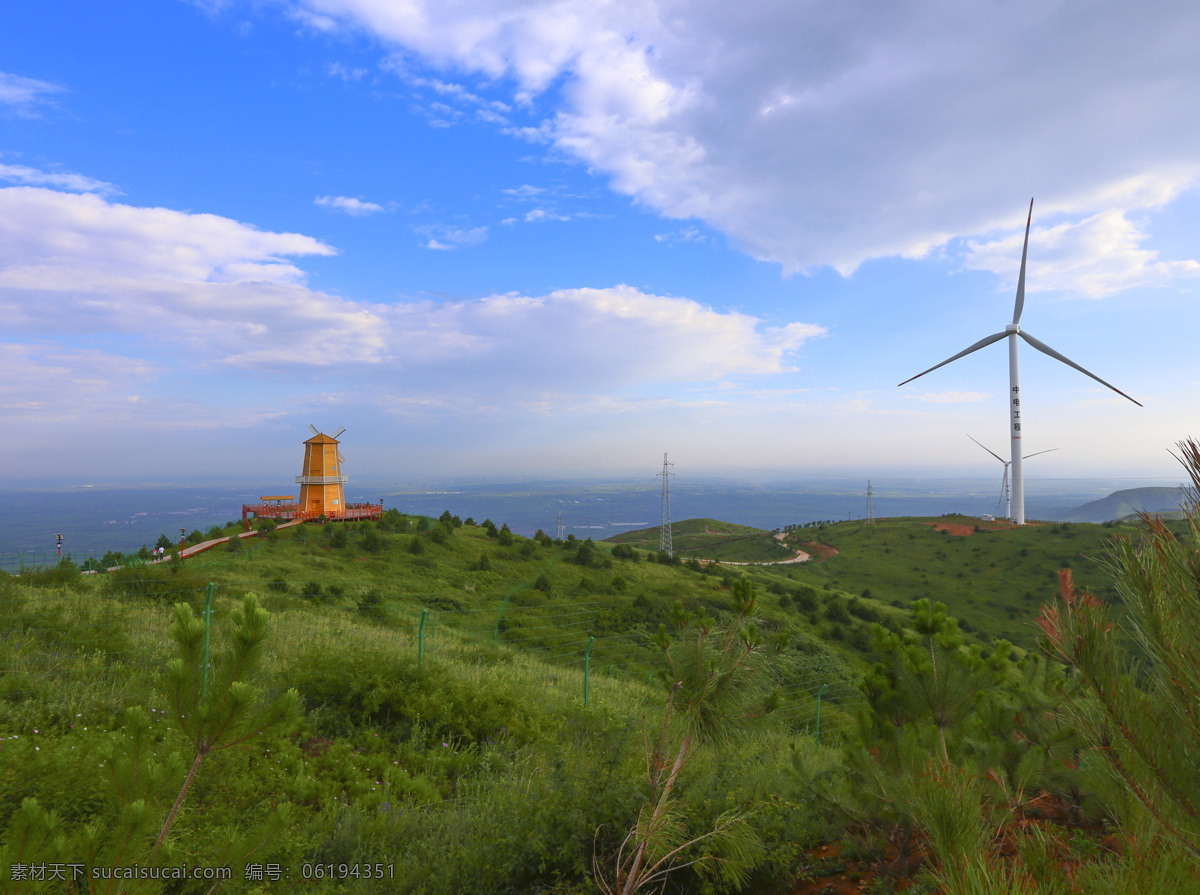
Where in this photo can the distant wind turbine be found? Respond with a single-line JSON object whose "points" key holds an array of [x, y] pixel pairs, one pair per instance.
{"points": [[1014, 382], [1005, 493]]}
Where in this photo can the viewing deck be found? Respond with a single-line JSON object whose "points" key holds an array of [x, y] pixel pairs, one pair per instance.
{"points": [[286, 509]]}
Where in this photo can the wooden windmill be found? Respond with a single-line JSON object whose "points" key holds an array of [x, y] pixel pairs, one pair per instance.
{"points": [[322, 480]]}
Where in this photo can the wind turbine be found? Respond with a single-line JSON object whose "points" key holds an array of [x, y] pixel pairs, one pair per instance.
{"points": [[1005, 494], [1012, 331]]}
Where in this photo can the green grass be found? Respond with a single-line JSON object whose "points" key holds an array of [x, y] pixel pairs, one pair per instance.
{"points": [[463, 756], [442, 672], [711, 539], [993, 580]]}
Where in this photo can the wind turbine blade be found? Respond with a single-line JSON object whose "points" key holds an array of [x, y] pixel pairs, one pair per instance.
{"points": [[340, 430], [982, 343], [1046, 349], [313, 429], [989, 450], [1003, 489], [1047, 451], [1020, 305]]}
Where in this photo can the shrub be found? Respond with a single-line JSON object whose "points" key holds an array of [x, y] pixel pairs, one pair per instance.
{"points": [[387, 691], [1139, 711], [167, 583], [372, 541]]}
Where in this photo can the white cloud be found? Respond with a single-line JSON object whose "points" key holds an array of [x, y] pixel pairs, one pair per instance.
{"points": [[682, 235], [73, 262], [47, 381], [537, 215], [346, 73], [444, 239], [22, 94], [525, 191], [1095, 257], [827, 134], [63, 180], [51, 239], [348, 205], [589, 338], [215, 293]]}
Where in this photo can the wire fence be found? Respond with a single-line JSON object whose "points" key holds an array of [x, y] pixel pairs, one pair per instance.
{"points": [[108, 644]]}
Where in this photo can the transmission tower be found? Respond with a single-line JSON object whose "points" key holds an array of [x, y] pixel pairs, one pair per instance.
{"points": [[664, 535], [870, 504], [558, 529]]}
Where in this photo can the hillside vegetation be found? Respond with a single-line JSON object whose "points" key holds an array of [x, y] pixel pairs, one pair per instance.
{"points": [[440, 706], [710, 539]]}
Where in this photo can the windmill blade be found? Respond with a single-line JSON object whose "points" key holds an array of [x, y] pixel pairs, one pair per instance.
{"points": [[340, 430], [993, 453], [1046, 349], [342, 460], [982, 343], [313, 429], [1047, 451], [1020, 305]]}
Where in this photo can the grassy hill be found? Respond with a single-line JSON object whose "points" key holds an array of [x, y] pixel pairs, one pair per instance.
{"points": [[472, 700], [992, 576], [711, 539], [474, 704]]}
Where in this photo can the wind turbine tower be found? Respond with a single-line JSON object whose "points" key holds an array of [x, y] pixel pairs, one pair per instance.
{"points": [[1005, 493], [664, 532], [1011, 332]]}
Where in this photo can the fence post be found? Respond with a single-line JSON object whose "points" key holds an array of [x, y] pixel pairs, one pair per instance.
{"points": [[819, 692], [207, 629], [500, 618], [587, 664], [421, 639]]}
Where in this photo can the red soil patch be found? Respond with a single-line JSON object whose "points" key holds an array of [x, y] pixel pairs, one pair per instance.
{"points": [[833, 875], [821, 551], [855, 876]]}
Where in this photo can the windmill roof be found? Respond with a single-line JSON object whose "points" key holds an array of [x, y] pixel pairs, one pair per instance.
{"points": [[322, 439]]}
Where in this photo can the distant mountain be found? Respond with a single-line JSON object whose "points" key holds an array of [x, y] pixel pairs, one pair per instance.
{"points": [[1120, 504]]}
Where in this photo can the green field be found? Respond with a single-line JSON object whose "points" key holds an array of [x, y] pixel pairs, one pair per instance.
{"points": [[475, 709], [711, 539], [993, 580]]}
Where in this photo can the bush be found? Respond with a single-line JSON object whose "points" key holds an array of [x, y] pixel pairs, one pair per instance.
{"points": [[372, 541], [338, 536], [64, 574], [383, 690], [168, 583]]}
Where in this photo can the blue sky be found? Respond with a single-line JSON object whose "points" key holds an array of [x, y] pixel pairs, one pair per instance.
{"points": [[560, 238]]}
